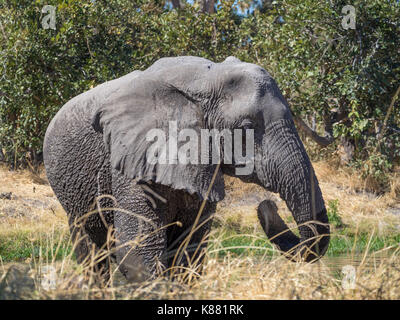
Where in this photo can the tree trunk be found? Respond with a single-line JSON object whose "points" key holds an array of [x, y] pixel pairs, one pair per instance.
{"points": [[322, 141], [176, 4], [208, 6]]}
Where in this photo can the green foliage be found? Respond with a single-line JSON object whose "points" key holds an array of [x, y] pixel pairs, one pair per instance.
{"points": [[21, 246], [319, 66], [333, 214], [344, 241], [93, 42], [340, 244]]}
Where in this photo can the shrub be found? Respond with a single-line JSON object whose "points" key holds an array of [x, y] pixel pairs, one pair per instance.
{"points": [[345, 79]]}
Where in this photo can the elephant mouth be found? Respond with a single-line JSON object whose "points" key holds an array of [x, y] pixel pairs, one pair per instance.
{"points": [[292, 247]]}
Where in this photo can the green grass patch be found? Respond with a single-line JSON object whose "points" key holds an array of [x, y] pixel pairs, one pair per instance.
{"points": [[23, 245], [333, 214], [225, 241], [229, 238], [343, 241]]}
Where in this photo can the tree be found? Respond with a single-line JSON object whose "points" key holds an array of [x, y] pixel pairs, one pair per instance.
{"points": [[176, 4], [208, 6], [345, 80]]}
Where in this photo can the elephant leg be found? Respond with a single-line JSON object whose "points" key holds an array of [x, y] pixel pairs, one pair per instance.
{"points": [[87, 255], [196, 249], [139, 240], [78, 169], [191, 259], [91, 233]]}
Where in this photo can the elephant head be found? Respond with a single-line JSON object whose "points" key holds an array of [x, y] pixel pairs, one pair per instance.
{"points": [[199, 94]]}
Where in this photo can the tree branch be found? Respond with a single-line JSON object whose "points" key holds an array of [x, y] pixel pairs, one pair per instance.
{"points": [[385, 121], [322, 141], [176, 4], [208, 6]]}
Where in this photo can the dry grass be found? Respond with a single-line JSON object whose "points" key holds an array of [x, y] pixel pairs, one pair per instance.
{"points": [[235, 278], [33, 206], [228, 278], [34, 211], [357, 206]]}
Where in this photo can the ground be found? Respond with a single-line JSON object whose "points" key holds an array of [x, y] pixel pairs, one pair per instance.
{"points": [[362, 261]]}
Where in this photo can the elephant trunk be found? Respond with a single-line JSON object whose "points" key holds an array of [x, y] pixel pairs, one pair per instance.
{"points": [[286, 169]]}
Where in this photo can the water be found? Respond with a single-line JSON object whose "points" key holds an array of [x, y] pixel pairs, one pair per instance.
{"points": [[368, 263]]}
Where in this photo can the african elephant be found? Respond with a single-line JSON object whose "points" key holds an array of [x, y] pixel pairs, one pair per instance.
{"points": [[97, 145]]}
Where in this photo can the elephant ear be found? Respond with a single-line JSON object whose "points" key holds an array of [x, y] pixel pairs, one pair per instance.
{"points": [[127, 115]]}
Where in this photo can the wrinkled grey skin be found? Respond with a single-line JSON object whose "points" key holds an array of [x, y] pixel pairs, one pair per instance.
{"points": [[96, 146]]}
